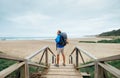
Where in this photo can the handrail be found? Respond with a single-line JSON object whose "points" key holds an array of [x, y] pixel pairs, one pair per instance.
{"points": [[99, 64], [110, 58], [37, 65], [23, 64], [111, 69], [34, 54], [86, 53], [78, 51], [9, 70], [86, 65], [5, 56]]}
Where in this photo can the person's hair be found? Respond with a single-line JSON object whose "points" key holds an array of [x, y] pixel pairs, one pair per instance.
{"points": [[59, 31]]}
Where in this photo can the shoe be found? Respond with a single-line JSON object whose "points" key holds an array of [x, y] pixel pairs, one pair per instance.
{"points": [[64, 64], [57, 65]]}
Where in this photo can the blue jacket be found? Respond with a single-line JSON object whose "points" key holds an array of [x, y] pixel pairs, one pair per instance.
{"points": [[57, 42]]}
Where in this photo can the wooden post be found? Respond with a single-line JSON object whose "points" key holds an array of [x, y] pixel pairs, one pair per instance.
{"points": [[37, 69], [26, 70], [96, 70], [99, 71], [41, 57], [46, 57], [22, 72], [55, 60], [52, 59], [71, 60], [82, 57], [105, 74], [17, 73], [77, 58]]}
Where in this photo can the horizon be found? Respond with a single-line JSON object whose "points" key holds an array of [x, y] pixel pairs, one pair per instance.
{"points": [[39, 18], [54, 36]]}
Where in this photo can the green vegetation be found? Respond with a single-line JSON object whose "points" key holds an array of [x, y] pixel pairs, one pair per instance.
{"points": [[114, 35], [103, 41], [33, 68], [6, 63], [111, 33], [1, 52], [90, 70], [109, 41], [115, 63], [87, 41]]}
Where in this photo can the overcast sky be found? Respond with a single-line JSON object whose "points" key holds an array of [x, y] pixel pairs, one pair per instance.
{"points": [[37, 18]]}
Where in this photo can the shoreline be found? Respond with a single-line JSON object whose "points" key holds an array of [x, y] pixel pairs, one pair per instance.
{"points": [[24, 48]]}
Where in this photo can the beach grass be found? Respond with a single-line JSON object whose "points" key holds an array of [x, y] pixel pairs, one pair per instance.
{"points": [[1, 52], [109, 41], [91, 69], [102, 41], [6, 63], [87, 41]]}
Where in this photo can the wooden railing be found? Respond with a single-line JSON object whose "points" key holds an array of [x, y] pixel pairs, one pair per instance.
{"points": [[101, 66], [23, 64]]}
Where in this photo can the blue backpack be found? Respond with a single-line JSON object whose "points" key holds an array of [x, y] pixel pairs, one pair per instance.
{"points": [[63, 38]]}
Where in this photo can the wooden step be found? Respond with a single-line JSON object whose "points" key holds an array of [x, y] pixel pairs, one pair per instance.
{"points": [[60, 76], [62, 70], [67, 71], [62, 73], [62, 67]]}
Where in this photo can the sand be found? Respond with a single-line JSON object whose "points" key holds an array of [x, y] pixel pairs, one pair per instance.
{"points": [[24, 48]]}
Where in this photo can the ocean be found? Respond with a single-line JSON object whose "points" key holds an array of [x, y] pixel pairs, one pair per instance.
{"points": [[25, 38]]}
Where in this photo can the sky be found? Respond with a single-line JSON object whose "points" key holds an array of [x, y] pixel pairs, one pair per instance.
{"points": [[42, 18]]}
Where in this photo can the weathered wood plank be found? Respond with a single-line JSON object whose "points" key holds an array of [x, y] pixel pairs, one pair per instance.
{"points": [[4, 56], [63, 73], [111, 58], [77, 57], [36, 53], [62, 67], [26, 70], [51, 51], [37, 65], [62, 70], [73, 51], [10, 69], [86, 53], [86, 65], [67, 71], [46, 57], [22, 71], [111, 69], [60, 76]]}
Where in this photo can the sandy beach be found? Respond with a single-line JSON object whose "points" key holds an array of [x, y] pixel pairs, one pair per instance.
{"points": [[24, 48]]}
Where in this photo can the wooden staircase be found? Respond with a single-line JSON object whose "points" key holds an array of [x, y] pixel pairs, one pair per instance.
{"points": [[67, 71], [101, 67]]}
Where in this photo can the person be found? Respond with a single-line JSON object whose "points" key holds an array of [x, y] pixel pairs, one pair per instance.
{"points": [[59, 48]]}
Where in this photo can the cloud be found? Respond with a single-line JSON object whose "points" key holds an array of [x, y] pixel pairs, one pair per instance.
{"points": [[29, 18], [45, 17]]}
